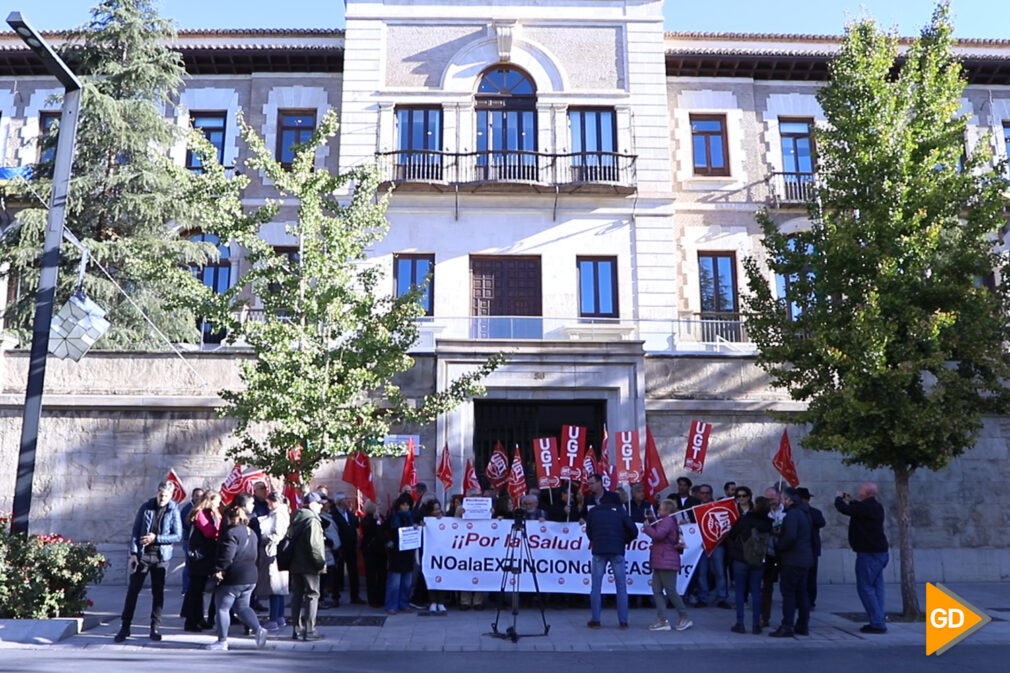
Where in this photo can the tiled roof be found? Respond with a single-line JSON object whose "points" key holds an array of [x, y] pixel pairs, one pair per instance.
{"points": [[831, 39]]}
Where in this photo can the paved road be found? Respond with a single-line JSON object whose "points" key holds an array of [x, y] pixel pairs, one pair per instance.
{"points": [[962, 659]]}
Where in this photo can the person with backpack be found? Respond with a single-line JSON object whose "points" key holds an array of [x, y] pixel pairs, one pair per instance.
{"points": [[307, 562], [664, 558], [747, 544]]}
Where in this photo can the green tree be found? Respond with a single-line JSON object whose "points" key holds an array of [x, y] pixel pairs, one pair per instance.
{"points": [[331, 339], [129, 202], [897, 344]]}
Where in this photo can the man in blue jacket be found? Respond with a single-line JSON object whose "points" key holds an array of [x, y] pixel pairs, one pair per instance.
{"points": [[796, 555], [156, 528], [609, 529]]}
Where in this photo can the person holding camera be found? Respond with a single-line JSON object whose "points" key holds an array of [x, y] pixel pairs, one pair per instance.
{"points": [[867, 539]]}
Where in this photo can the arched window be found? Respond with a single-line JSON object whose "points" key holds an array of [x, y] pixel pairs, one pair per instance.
{"points": [[217, 276], [506, 102]]}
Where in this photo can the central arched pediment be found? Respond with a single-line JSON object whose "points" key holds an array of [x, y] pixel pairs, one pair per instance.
{"points": [[464, 69]]}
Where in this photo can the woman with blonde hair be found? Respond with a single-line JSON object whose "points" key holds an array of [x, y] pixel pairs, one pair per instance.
{"points": [[205, 526], [664, 557]]}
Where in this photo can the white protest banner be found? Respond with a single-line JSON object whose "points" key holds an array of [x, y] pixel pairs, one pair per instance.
{"points": [[410, 538], [463, 555], [476, 508]]}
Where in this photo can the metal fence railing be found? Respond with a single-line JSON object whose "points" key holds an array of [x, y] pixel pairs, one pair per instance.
{"points": [[507, 166]]}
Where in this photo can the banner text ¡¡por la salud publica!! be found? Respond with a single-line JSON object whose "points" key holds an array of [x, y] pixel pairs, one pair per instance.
{"points": [[461, 555]]}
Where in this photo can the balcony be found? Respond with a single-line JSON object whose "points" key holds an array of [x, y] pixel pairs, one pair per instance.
{"points": [[509, 170], [714, 330], [791, 189], [690, 333]]}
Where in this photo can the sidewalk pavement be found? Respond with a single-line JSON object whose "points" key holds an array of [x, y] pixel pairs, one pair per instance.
{"points": [[466, 631]]}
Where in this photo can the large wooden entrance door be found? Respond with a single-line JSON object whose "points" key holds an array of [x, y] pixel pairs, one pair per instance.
{"points": [[510, 289]]}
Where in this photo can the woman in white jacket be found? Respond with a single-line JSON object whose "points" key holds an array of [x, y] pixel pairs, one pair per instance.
{"points": [[273, 582]]}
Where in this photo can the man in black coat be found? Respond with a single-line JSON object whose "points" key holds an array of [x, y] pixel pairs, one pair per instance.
{"points": [[796, 555], [683, 496], [817, 522], [609, 529], [347, 531], [867, 539]]}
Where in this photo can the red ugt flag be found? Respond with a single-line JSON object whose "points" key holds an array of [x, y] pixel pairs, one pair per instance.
{"points": [[517, 478], [251, 476], [545, 450], [292, 484], [444, 471], [697, 446], [655, 476], [589, 468], [497, 470], [358, 473], [232, 484], [470, 481], [409, 476], [179, 494], [573, 448], [783, 461], [714, 521], [604, 468], [629, 460]]}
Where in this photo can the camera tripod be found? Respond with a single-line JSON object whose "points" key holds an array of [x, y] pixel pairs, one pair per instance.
{"points": [[517, 554]]}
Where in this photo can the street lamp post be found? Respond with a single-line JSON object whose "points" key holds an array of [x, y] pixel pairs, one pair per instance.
{"points": [[46, 293]]}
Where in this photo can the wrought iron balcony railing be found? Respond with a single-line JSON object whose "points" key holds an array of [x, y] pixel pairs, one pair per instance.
{"points": [[608, 169], [791, 188]]}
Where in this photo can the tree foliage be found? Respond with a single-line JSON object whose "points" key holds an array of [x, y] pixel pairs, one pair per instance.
{"points": [[330, 339], [897, 343], [128, 202]]}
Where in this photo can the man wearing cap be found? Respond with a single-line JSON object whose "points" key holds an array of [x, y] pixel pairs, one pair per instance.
{"points": [[796, 555], [347, 529], [308, 564], [817, 522], [867, 539], [156, 528]]}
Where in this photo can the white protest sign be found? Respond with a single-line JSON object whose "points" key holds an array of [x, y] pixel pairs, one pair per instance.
{"points": [[468, 555], [410, 538], [476, 508]]}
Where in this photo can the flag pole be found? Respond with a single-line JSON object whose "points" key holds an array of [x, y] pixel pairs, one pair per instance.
{"points": [[568, 514]]}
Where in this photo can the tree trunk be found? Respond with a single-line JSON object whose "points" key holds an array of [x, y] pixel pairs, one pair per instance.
{"points": [[909, 599]]}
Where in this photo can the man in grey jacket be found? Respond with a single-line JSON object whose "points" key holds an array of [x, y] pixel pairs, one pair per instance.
{"points": [[156, 528], [308, 564], [796, 555]]}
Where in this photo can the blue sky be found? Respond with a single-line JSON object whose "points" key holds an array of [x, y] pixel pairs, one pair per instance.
{"points": [[973, 18]]}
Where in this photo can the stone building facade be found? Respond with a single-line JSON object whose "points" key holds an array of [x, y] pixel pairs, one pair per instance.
{"points": [[582, 187]]}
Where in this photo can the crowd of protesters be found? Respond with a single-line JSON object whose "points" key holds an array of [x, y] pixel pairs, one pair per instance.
{"points": [[232, 570]]}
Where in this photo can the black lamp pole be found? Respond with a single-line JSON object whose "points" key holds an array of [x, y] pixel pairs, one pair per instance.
{"points": [[46, 293]]}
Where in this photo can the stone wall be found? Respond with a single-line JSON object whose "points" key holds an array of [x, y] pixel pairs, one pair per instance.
{"points": [[115, 423], [958, 532]]}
